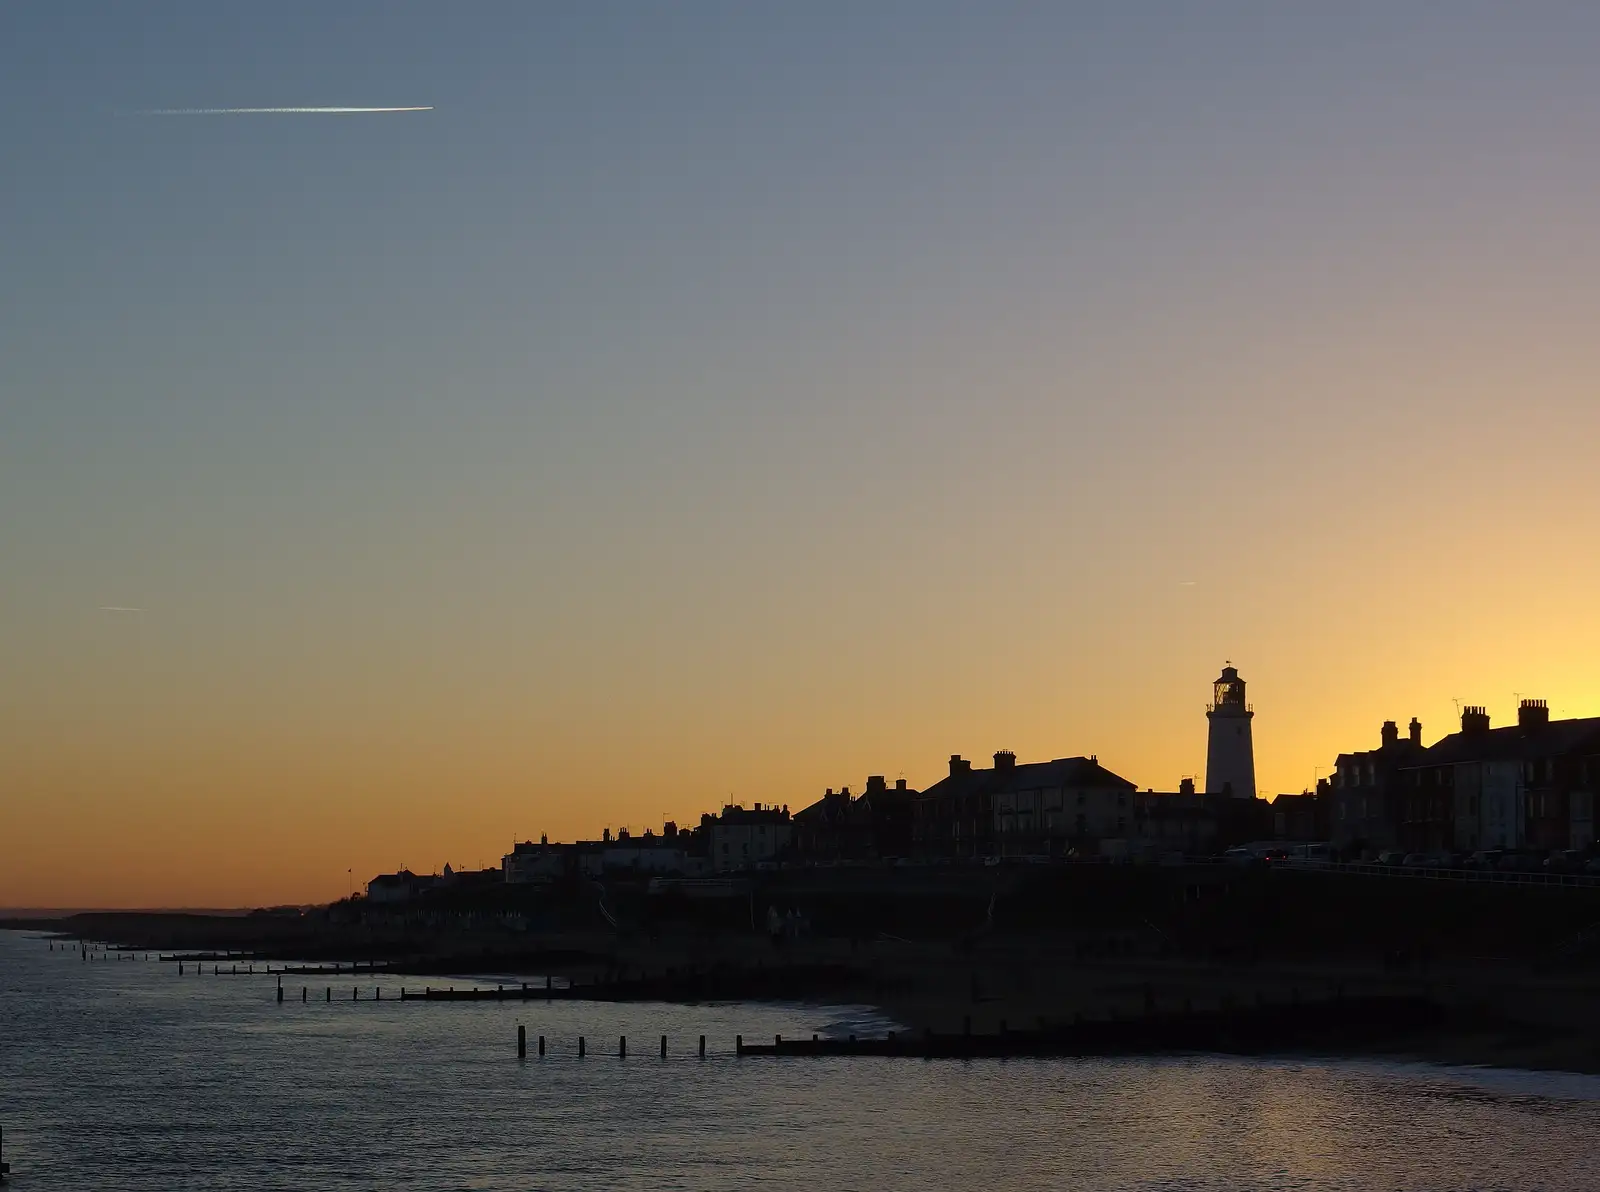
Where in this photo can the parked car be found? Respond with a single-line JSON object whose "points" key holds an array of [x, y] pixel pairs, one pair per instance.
{"points": [[1242, 856], [1566, 860], [1392, 856], [1414, 860], [1511, 862], [1487, 858]]}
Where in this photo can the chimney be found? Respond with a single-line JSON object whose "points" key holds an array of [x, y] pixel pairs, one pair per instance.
{"points": [[1532, 714], [606, 835], [899, 784], [1416, 731], [544, 839], [1391, 734], [1005, 760], [877, 782], [1474, 719], [959, 765], [1186, 786]]}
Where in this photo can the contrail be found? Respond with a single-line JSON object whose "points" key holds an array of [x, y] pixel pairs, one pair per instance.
{"points": [[119, 608], [273, 111]]}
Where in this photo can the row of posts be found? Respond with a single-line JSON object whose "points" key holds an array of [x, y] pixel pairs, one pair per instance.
{"points": [[622, 1044]]}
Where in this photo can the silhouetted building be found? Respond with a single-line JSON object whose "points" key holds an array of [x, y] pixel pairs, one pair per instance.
{"points": [[875, 825], [1376, 807], [1182, 822], [1529, 785], [399, 887], [1230, 751], [831, 830], [741, 839], [954, 818], [535, 863], [1047, 808], [1301, 818]]}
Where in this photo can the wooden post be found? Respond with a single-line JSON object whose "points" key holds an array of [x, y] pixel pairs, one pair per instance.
{"points": [[180, 968], [738, 1045], [777, 1041], [522, 1042], [663, 1047], [355, 992], [303, 992], [702, 1047], [622, 1047], [377, 993], [280, 992], [541, 1047], [330, 993], [580, 1047]]}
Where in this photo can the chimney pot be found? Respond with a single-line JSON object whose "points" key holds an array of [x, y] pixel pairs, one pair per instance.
{"points": [[1416, 731], [1391, 733]]}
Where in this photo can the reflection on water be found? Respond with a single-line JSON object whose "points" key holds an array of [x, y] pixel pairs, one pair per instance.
{"points": [[124, 1075]]}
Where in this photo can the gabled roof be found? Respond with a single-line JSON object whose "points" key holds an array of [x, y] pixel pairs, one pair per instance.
{"points": [[831, 808], [1063, 771], [1515, 743], [963, 785], [1402, 753]]}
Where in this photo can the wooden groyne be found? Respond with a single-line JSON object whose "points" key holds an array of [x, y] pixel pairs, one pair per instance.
{"points": [[1340, 1025], [1336, 1024]]}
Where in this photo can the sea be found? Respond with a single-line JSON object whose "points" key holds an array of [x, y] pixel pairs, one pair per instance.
{"points": [[120, 1073]]}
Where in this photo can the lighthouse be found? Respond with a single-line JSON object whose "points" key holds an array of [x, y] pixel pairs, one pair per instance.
{"points": [[1230, 754]]}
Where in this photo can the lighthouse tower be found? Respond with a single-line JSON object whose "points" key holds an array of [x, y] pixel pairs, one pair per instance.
{"points": [[1230, 755]]}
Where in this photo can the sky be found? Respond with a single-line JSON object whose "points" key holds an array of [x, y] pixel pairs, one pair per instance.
{"points": [[721, 402]]}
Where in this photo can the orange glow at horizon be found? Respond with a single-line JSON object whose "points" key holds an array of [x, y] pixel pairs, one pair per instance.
{"points": [[818, 399]]}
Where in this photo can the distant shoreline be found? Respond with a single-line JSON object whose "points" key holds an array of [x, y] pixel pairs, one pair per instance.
{"points": [[1489, 1015]]}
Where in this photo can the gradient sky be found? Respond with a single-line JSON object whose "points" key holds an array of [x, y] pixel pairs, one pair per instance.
{"points": [[713, 400]]}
